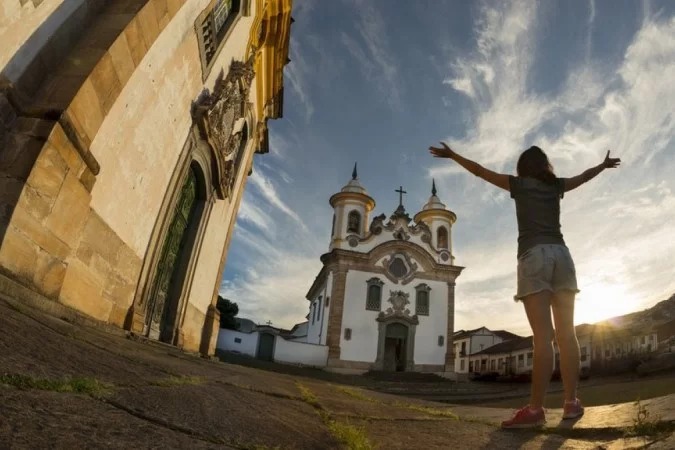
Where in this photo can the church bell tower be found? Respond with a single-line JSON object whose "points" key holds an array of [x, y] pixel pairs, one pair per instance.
{"points": [[351, 211]]}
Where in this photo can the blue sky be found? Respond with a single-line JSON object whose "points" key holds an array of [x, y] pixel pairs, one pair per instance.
{"points": [[377, 81]]}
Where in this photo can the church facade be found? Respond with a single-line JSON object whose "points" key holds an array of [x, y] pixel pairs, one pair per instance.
{"points": [[385, 297], [127, 131]]}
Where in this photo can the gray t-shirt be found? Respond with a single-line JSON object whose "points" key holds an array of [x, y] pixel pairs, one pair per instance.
{"points": [[537, 211]]}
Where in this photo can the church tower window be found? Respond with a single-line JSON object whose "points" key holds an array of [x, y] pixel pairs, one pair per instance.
{"points": [[422, 300], [442, 237], [374, 294], [354, 222]]}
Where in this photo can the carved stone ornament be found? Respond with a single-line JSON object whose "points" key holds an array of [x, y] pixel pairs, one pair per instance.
{"points": [[216, 114], [410, 266], [399, 301], [353, 241]]}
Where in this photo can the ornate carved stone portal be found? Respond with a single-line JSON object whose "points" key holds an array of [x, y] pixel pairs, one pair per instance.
{"points": [[217, 115], [396, 335]]}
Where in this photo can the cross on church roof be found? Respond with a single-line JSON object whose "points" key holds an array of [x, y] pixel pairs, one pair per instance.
{"points": [[400, 195]]}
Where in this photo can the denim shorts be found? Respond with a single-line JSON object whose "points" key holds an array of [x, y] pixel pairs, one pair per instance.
{"points": [[545, 267]]}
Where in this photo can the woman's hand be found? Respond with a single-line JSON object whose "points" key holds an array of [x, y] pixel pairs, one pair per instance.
{"points": [[611, 163], [442, 152]]}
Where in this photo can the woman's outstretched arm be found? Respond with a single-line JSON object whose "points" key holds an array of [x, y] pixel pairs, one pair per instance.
{"points": [[498, 179], [587, 175]]}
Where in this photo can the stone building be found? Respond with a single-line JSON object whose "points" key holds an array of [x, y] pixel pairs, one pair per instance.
{"points": [[127, 133], [385, 297]]}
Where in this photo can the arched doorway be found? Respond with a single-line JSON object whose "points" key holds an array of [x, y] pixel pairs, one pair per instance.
{"points": [[165, 297]]}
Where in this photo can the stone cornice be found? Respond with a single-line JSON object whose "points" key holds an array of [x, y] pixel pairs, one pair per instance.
{"points": [[361, 198], [431, 270]]}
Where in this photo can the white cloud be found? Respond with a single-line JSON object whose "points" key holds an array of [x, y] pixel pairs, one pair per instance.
{"points": [[373, 53], [297, 75], [620, 230], [265, 187]]}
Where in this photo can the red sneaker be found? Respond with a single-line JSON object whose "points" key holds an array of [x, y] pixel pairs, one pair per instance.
{"points": [[572, 410], [526, 418]]}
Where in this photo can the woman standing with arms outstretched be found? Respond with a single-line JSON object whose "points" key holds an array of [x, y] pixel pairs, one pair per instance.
{"points": [[546, 275]]}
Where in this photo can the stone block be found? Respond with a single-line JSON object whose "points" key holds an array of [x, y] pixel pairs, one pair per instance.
{"points": [[37, 205], [49, 275], [7, 113], [59, 91], [37, 128], [88, 179], [82, 290], [34, 230], [128, 263], [174, 6], [68, 152], [137, 46], [105, 82], [19, 154], [48, 173], [162, 13], [121, 59], [147, 21], [124, 6], [118, 315], [85, 111], [18, 255], [70, 211], [99, 239]]}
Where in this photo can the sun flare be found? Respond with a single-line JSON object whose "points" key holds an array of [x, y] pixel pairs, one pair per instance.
{"points": [[600, 301]]}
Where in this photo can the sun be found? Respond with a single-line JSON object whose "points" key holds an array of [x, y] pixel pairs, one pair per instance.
{"points": [[599, 301]]}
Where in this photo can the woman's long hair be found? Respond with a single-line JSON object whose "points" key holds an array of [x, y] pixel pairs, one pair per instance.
{"points": [[534, 163]]}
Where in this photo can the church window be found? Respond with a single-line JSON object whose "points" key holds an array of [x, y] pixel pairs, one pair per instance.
{"points": [[398, 268], [441, 340], [237, 340], [332, 231], [461, 364], [354, 222], [213, 26], [442, 237], [374, 294], [318, 308], [422, 300]]}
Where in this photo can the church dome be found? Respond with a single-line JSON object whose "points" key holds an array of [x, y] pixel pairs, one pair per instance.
{"points": [[434, 202], [353, 186]]}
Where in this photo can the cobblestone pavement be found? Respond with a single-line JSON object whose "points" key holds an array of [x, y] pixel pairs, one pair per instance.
{"points": [[71, 386]]}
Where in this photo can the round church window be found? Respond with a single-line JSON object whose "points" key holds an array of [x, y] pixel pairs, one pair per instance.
{"points": [[398, 268]]}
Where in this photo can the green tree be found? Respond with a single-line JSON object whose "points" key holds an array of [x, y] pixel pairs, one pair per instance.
{"points": [[228, 310]]}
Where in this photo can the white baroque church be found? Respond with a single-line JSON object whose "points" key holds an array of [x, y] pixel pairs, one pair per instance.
{"points": [[384, 299]]}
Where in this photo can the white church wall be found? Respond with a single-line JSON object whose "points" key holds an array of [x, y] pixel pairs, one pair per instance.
{"points": [[238, 342], [294, 352], [154, 109], [427, 350], [363, 343]]}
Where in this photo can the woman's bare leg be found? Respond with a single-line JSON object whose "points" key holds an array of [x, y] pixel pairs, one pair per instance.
{"points": [[538, 310], [562, 305]]}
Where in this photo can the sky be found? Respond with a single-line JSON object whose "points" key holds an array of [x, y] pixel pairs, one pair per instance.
{"points": [[378, 82]]}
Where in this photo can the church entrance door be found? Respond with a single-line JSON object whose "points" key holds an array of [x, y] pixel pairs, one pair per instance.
{"points": [[395, 345], [164, 300], [266, 347]]}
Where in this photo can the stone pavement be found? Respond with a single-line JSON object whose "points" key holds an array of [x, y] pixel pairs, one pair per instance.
{"points": [[71, 386]]}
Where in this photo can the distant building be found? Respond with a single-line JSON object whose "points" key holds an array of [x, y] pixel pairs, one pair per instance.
{"points": [[467, 343]]}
